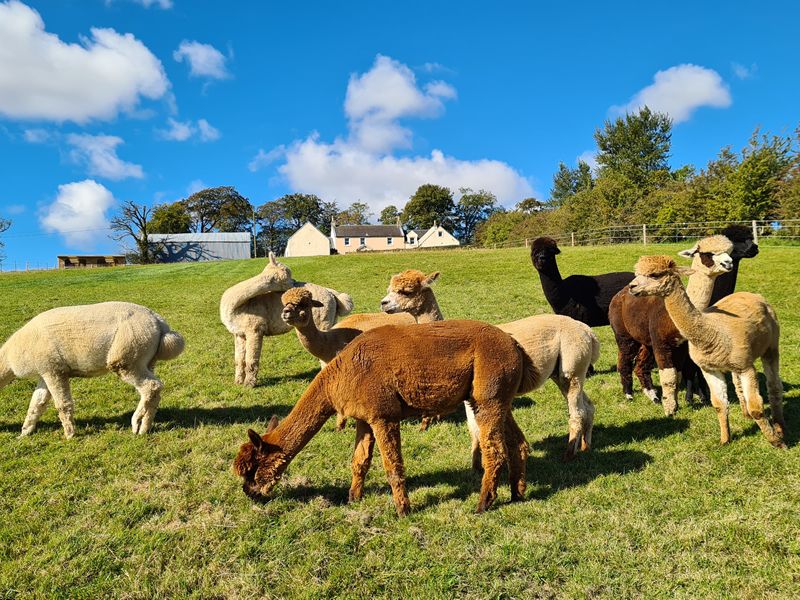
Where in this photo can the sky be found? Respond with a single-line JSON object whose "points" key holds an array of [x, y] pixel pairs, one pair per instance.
{"points": [[104, 101]]}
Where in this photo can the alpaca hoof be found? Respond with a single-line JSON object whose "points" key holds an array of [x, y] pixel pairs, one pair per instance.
{"points": [[653, 395], [354, 496], [780, 444], [403, 510], [568, 456], [629, 397]]}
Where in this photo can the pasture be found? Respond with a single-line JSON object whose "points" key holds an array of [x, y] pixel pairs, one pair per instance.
{"points": [[656, 509]]}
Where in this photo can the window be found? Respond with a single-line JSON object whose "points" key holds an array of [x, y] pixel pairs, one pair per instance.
{"points": [[388, 241], [362, 241], [440, 234], [346, 241]]}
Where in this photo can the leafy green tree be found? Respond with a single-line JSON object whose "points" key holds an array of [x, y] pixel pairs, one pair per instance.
{"points": [[299, 208], [389, 215], [428, 204], [170, 218], [568, 182], [274, 230], [497, 228], [356, 214], [529, 206], [329, 211], [219, 209], [636, 146], [788, 193], [472, 209]]}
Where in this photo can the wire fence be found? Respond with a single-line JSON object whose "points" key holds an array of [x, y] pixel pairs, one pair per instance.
{"points": [[783, 232]]}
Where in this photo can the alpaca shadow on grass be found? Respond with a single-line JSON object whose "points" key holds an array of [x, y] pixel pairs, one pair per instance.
{"points": [[278, 379], [460, 416]]}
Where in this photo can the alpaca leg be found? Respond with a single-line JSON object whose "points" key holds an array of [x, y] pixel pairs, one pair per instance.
{"points": [[755, 406], [341, 422], [737, 383], [588, 422], [572, 390], [626, 351], [238, 358], [475, 436], [493, 453], [362, 457], [387, 434], [38, 403], [149, 388], [669, 390], [643, 369], [252, 358], [62, 398], [719, 400], [771, 363], [517, 457]]}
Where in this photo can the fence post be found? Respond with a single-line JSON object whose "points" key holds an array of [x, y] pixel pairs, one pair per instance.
{"points": [[573, 238], [526, 242], [755, 232], [644, 234]]}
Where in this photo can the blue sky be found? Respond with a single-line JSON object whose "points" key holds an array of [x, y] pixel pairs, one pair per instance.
{"points": [[103, 101]]}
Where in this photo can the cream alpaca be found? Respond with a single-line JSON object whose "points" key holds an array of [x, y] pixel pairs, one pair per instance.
{"points": [[252, 309], [86, 341], [559, 348], [726, 337]]}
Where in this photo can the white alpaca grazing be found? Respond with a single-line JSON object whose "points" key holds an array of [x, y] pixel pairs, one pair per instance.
{"points": [[86, 341]]}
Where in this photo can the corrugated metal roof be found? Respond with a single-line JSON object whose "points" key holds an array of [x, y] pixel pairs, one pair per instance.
{"points": [[368, 231], [199, 237]]}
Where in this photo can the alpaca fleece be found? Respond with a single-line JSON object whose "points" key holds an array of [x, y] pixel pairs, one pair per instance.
{"points": [[400, 371], [87, 341]]}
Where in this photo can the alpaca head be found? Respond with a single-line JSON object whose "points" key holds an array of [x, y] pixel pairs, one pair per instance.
{"points": [[655, 276], [408, 292], [278, 274], [297, 305], [711, 255], [543, 252], [261, 462], [744, 246]]}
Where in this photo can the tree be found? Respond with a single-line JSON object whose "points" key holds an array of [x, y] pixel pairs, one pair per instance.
{"points": [[355, 214], [428, 204], [274, 230], [170, 218], [636, 146], [219, 209], [299, 208], [329, 211], [4, 225], [133, 222], [529, 206], [473, 208], [389, 215], [568, 182]]}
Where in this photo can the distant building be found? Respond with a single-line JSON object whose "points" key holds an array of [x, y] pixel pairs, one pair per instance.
{"points": [[191, 247], [435, 237], [413, 236], [90, 261], [360, 238], [308, 241]]}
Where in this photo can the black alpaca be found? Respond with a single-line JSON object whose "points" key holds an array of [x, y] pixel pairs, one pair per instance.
{"points": [[585, 298], [743, 247]]}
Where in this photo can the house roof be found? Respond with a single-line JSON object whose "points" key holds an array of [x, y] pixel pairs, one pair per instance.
{"points": [[419, 232], [368, 231], [199, 237]]}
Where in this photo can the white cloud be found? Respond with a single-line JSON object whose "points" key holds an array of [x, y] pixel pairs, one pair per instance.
{"points": [[590, 158], [99, 152], [78, 212], [362, 167], [37, 136], [204, 60], [42, 77], [195, 186], [679, 91], [165, 4], [207, 132], [743, 72], [180, 131]]}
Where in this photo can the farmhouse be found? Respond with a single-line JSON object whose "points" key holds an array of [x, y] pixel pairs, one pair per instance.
{"points": [[360, 238], [308, 241], [190, 247], [435, 237]]}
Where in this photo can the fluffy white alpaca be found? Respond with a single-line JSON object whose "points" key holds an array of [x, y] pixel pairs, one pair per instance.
{"points": [[86, 341]]}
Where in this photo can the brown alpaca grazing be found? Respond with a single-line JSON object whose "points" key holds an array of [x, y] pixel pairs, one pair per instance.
{"points": [[393, 373], [643, 322], [726, 337]]}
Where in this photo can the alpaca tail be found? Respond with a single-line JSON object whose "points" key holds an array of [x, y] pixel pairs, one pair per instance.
{"points": [[170, 346], [6, 373], [595, 347], [530, 376], [344, 303]]}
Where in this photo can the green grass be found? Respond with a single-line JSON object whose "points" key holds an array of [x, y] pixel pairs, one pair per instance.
{"points": [[657, 509]]}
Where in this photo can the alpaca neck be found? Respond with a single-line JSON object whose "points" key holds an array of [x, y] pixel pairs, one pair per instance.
{"points": [[690, 321], [430, 310], [315, 341], [551, 280], [699, 289], [725, 284], [305, 419]]}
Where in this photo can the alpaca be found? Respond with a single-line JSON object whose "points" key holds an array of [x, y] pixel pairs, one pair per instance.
{"points": [[392, 373], [86, 341], [726, 337], [743, 247], [560, 348], [643, 322], [583, 297], [252, 309]]}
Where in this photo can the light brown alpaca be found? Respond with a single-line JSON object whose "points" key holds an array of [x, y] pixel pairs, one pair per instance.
{"points": [[400, 371], [559, 348], [726, 337], [252, 309]]}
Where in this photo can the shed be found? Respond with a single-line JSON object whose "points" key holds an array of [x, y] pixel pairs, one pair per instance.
{"points": [[308, 241], [90, 261], [191, 247]]}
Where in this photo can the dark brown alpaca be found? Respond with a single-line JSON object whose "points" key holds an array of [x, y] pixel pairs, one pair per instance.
{"points": [[396, 372]]}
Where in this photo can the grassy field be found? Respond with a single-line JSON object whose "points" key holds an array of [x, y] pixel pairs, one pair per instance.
{"points": [[657, 509]]}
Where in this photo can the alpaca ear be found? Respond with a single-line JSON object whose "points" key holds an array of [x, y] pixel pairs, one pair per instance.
{"points": [[273, 423], [316, 303], [255, 439], [557, 250], [688, 253], [685, 271], [272, 260], [431, 278]]}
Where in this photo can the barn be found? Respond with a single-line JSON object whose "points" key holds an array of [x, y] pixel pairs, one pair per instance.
{"points": [[192, 247], [308, 241]]}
